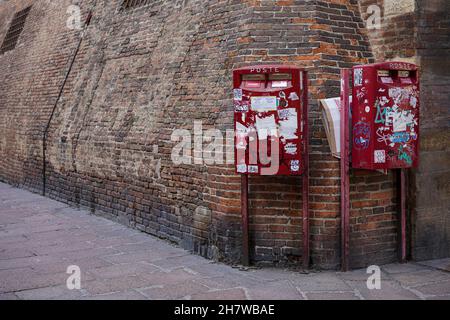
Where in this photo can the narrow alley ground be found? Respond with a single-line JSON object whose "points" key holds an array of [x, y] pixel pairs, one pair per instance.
{"points": [[40, 238]]}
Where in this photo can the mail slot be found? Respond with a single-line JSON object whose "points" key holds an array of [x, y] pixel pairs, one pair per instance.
{"points": [[385, 116], [268, 109]]}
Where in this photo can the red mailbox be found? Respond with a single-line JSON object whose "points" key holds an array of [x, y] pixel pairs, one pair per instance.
{"points": [[269, 108], [385, 116]]}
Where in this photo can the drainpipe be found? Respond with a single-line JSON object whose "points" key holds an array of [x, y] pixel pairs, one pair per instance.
{"points": [[47, 128]]}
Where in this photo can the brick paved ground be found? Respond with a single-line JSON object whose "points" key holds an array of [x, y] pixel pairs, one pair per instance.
{"points": [[40, 238]]}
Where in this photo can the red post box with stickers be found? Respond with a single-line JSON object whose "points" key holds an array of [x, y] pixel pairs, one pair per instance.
{"points": [[271, 134], [385, 116], [269, 108], [385, 123]]}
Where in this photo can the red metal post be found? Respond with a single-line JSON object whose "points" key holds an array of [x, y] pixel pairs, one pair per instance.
{"points": [[345, 170], [245, 219], [403, 215], [305, 186]]}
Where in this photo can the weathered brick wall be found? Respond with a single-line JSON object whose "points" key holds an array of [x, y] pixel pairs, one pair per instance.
{"points": [[140, 75], [29, 78], [431, 182], [396, 36], [322, 37], [373, 195], [418, 32], [150, 71]]}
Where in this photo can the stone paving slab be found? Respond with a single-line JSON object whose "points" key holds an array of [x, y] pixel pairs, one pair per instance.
{"points": [[390, 290], [442, 264], [40, 238], [49, 293], [335, 295], [228, 294], [414, 279], [117, 284], [124, 295], [321, 282], [181, 290], [276, 290]]}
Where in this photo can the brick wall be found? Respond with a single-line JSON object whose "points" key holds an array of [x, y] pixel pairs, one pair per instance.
{"points": [[396, 37], [418, 32], [431, 188], [30, 75], [140, 75]]}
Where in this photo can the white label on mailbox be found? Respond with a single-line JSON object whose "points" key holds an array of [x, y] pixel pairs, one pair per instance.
{"points": [[291, 148], [289, 127], [242, 168], [295, 165], [279, 84], [253, 169], [263, 104], [383, 73], [241, 136], [238, 94], [294, 96], [358, 77], [406, 81], [266, 127], [387, 80], [380, 156], [287, 113]]}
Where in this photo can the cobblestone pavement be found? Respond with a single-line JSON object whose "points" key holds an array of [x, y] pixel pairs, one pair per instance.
{"points": [[40, 238]]}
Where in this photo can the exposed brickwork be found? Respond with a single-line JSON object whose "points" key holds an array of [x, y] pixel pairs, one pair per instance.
{"points": [[422, 36], [140, 75], [30, 75], [323, 38], [431, 210], [396, 39]]}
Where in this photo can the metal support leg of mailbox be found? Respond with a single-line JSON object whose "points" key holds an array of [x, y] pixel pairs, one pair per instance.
{"points": [[305, 186], [245, 220], [403, 221], [345, 170]]}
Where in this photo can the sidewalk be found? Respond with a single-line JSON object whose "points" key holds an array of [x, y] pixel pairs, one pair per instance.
{"points": [[40, 238]]}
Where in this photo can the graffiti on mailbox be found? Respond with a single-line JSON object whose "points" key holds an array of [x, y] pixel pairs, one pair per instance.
{"points": [[361, 135], [398, 122]]}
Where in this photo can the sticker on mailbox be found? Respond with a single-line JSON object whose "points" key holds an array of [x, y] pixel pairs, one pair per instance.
{"points": [[280, 84], [380, 156], [358, 77], [253, 169], [290, 148], [264, 104], [406, 81], [242, 168], [241, 106], [294, 96], [295, 165], [387, 80], [237, 94]]}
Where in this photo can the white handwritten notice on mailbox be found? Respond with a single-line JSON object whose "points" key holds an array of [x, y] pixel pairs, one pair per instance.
{"points": [[264, 104]]}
